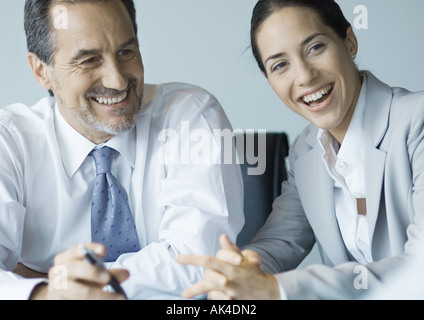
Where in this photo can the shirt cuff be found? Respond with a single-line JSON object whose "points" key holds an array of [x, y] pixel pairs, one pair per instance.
{"points": [[16, 288], [283, 294]]}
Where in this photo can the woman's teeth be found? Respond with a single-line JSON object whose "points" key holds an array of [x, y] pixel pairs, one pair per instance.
{"points": [[112, 101], [317, 95]]}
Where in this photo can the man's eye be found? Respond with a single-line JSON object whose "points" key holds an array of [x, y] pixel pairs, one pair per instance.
{"points": [[90, 61], [126, 53]]}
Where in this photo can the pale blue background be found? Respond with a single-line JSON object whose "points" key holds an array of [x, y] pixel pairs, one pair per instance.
{"points": [[206, 42]]}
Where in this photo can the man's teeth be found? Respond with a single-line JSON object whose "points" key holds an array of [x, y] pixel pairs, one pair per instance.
{"points": [[317, 95], [111, 101]]}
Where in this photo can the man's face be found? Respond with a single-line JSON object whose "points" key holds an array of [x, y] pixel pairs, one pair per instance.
{"points": [[97, 74]]}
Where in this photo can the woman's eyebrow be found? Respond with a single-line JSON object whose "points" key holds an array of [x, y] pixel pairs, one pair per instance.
{"points": [[275, 56], [311, 37], [303, 43]]}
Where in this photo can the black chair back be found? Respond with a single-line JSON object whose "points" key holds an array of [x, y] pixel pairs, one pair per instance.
{"points": [[261, 190]]}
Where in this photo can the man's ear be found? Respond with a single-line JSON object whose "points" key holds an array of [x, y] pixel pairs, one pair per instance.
{"points": [[40, 70]]}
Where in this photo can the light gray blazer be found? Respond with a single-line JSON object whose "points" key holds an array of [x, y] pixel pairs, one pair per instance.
{"points": [[305, 214]]}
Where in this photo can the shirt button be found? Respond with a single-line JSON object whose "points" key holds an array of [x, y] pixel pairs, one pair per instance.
{"points": [[342, 165]]}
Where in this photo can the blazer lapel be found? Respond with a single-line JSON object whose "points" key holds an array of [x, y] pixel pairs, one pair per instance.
{"points": [[376, 121], [374, 175], [317, 196]]}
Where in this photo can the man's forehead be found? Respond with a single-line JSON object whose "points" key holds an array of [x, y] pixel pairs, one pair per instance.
{"points": [[95, 26], [62, 10], [85, 17]]}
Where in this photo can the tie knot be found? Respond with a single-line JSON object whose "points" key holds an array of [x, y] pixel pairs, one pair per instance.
{"points": [[103, 159]]}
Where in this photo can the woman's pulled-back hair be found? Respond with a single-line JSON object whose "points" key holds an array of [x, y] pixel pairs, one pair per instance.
{"points": [[328, 11]]}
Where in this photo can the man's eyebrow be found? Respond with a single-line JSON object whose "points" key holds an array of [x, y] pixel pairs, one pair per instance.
{"points": [[132, 41], [303, 43], [84, 53], [92, 52]]}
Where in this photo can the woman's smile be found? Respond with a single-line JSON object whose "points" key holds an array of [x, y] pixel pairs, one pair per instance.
{"points": [[319, 99]]}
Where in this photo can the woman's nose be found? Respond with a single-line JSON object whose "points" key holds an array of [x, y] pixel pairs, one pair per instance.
{"points": [[305, 73]]}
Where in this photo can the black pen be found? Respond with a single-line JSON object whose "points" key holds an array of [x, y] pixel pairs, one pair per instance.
{"points": [[94, 259]]}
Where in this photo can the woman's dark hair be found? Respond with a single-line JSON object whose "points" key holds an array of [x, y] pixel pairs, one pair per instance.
{"points": [[328, 11], [39, 25]]}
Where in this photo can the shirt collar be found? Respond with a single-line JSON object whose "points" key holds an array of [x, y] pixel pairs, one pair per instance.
{"points": [[74, 147], [351, 150]]}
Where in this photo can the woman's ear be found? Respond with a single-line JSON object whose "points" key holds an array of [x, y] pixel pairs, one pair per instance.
{"points": [[40, 70], [351, 42]]}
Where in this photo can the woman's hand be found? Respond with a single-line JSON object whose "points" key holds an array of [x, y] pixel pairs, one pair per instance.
{"points": [[232, 274]]}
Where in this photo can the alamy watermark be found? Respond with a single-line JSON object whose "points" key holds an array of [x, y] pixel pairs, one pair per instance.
{"points": [[60, 17], [60, 277], [361, 19], [361, 280], [199, 146]]}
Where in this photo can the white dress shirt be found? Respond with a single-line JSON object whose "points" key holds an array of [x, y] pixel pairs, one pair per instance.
{"points": [[345, 165], [46, 180]]}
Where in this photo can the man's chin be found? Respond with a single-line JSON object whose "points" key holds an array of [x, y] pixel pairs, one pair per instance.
{"points": [[115, 128]]}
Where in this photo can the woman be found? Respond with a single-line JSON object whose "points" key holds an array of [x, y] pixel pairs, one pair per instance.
{"points": [[356, 183]]}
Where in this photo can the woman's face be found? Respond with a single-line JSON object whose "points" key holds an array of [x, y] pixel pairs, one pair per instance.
{"points": [[310, 68]]}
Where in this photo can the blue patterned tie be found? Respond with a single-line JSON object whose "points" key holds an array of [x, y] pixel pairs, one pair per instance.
{"points": [[111, 220]]}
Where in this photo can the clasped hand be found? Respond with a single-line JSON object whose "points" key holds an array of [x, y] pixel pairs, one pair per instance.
{"points": [[231, 275]]}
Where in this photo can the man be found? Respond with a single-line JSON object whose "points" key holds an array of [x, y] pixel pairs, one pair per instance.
{"points": [[104, 141]]}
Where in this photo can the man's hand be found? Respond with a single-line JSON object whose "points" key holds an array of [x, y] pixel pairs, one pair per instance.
{"points": [[72, 278], [231, 275]]}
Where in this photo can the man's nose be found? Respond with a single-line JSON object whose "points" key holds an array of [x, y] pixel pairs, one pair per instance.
{"points": [[113, 76]]}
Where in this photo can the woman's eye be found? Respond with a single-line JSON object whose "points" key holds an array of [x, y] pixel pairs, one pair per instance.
{"points": [[278, 66], [316, 47]]}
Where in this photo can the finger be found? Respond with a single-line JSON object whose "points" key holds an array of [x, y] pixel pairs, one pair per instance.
{"points": [[207, 262], [218, 295], [82, 291], [252, 257], [76, 253], [201, 287], [218, 280], [120, 274], [77, 270], [226, 244], [213, 281], [232, 257], [190, 259]]}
